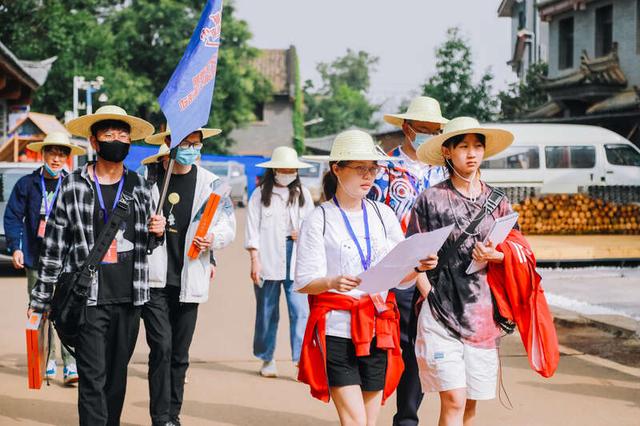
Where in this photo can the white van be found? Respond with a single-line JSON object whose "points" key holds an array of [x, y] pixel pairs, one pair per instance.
{"points": [[312, 177], [563, 158]]}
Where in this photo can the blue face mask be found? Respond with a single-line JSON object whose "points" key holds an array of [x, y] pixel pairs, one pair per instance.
{"points": [[52, 173], [188, 156], [420, 139]]}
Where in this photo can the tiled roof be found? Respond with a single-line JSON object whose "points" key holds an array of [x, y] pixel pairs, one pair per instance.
{"points": [[604, 71], [277, 66], [625, 100], [45, 122], [32, 73]]}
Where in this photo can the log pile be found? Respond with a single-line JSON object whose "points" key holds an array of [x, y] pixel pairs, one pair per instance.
{"points": [[576, 214]]}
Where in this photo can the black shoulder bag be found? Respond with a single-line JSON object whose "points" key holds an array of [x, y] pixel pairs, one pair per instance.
{"points": [[69, 303], [492, 203]]}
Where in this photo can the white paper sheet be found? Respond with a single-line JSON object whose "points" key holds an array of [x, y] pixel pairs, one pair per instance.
{"points": [[499, 232], [388, 273]]}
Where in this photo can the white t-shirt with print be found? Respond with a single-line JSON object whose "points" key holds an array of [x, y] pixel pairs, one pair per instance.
{"points": [[335, 253]]}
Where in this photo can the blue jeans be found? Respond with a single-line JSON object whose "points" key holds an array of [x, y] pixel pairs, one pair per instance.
{"points": [[268, 315]]}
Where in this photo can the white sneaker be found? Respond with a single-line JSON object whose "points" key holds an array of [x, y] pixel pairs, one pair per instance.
{"points": [[70, 374], [269, 369], [52, 369]]}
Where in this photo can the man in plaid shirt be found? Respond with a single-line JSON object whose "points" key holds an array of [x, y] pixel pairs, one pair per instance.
{"points": [[87, 197]]}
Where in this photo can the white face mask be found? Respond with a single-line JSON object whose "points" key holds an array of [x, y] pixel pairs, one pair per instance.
{"points": [[285, 179]]}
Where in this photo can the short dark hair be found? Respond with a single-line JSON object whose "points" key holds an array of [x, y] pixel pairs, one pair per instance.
{"points": [[64, 149], [109, 124], [456, 140]]}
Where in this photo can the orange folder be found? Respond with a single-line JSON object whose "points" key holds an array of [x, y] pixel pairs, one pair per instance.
{"points": [[205, 222], [37, 349]]}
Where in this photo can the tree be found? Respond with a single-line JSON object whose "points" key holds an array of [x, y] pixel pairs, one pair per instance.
{"points": [[526, 95], [341, 100], [135, 45], [453, 86]]}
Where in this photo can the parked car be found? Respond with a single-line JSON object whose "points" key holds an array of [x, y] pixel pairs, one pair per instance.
{"points": [[232, 172], [312, 178], [563, 158], [10, 173]]}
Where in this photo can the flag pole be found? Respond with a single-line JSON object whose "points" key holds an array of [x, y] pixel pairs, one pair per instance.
{"points": [[165, 188]]}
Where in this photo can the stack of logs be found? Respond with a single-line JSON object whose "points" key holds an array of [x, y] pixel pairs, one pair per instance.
{"points": [[576, 214]]}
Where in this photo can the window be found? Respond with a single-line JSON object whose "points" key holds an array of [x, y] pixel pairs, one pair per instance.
{"points": [[313, 171], [258, 111], [604, 30], [565, 40], [570, 157], [622, 155], [638, 27], [518, 157]]}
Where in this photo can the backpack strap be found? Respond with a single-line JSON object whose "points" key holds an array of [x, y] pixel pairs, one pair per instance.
{"points": [[377, 209], [324, 220]]}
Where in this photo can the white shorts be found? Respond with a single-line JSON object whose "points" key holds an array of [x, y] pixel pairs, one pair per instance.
{"points": [[446, 363]]}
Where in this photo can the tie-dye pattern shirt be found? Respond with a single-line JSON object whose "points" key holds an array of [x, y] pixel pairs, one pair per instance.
{"points": [[461, 303], [398, 184]]}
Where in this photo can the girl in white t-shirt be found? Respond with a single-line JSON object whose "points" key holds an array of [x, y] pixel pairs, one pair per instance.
{"points": [[351, 349], [274, 214]]}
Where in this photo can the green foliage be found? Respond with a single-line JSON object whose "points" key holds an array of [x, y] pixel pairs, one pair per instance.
{"points": [[453, 86], [524, 96], [341, 101], [135, 48]]}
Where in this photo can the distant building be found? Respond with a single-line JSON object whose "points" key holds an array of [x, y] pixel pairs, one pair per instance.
{"points": [[529, 35], [274, 124]]}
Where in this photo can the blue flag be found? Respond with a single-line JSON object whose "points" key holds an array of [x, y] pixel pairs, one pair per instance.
{"points": [[186, 100]]}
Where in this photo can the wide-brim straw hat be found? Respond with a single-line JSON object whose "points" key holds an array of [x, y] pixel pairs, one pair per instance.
{"points": [[353, 145], [162, 152], [158, 138], [81, 126], [496, 140], [284, 157], [422, 108], [57, 139]]}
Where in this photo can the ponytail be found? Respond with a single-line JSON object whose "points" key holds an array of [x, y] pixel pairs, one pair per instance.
{"points": [[330, 180]]}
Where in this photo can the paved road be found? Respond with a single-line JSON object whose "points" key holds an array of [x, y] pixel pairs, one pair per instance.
{"points": [[224, 388]]}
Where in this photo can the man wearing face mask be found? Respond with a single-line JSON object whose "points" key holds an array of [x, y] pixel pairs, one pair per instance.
{"points": [[87, 198], [398, 185], [28, 210], [178, 283]]}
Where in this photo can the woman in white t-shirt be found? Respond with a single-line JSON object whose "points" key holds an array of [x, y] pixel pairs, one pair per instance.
{"points": [[351, 351], [275, 211]]}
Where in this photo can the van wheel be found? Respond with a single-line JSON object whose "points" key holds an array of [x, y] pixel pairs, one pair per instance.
{"points": [[245, 199]]}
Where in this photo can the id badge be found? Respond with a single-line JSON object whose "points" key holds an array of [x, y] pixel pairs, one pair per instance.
{"points": [[112, 254], [41, 228], [379, 302]]}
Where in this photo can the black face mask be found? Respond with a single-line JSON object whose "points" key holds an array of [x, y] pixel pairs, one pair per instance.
{"points": [[114, 151]]}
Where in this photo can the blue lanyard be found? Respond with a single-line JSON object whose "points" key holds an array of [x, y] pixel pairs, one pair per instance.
{"points": [[118, 193], [366, 262], [48, 207]]}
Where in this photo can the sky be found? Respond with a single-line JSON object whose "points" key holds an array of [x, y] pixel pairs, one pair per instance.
{"points": [[402, 33]]}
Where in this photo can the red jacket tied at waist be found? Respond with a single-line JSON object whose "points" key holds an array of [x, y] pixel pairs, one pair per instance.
{"points": [[364, 320], [516, 287]]}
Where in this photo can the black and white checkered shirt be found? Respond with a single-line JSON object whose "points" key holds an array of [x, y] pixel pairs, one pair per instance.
{"points": [[69, 237]]}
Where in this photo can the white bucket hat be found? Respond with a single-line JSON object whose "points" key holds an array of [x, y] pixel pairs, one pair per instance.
{"points": [[163, 151], [81, 126], [284, 157], [422, 108], [496, 140], [57, 139], [158, 138]]}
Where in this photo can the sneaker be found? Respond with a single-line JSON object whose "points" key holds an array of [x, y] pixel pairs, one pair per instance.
{"points": [[70, 374], [269, 369], [51, 370]]}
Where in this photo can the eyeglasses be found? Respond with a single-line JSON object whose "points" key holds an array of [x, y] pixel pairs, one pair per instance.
{"points": [[365, 171], [111, 136], [187, 145]]}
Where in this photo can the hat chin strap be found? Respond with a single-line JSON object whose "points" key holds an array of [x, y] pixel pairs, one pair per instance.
{"points": [[469, 180]]}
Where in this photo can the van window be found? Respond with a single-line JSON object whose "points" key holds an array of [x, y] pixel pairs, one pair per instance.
{"points": [[515, 157], [570, 157], [313, 171], [622, 155]]}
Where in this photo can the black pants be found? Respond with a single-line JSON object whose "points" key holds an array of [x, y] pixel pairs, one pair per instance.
{"points": [[169, 326], [103, 351], [409, 393]]}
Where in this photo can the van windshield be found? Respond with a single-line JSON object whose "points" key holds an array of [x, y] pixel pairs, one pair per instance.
{"points": [[622, 155], [515, 157], [311, 171]]}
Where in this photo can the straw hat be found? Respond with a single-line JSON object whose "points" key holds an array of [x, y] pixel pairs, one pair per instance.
{"points": [[284, 157], [158, 138], [162, 152], [421, 108], [356, 145], [57, 139], [81, 126], [496, 140]]}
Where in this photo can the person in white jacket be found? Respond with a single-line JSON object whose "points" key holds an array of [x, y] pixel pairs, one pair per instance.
{"points": [[275, 212], [178, 283]]}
